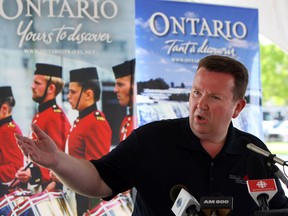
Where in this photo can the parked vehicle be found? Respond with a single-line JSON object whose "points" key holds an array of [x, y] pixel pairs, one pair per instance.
{"points": [[278, 133]]}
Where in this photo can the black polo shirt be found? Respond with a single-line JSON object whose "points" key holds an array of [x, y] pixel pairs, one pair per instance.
{"points": [[160, 155]]}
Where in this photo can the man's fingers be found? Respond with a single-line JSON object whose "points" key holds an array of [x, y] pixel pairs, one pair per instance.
{"points": [[25, 144], [39, 133], [18, 137], [22, 139]]}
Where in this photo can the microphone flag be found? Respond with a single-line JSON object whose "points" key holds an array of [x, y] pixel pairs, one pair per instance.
{"points": [[216, 205], [184, 202], [262, 186]]}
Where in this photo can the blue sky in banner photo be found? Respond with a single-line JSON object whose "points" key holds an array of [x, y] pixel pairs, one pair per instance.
{"points": [[158, 55]]}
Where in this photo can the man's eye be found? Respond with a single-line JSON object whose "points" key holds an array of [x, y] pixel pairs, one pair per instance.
{"points": [[215, 97]]}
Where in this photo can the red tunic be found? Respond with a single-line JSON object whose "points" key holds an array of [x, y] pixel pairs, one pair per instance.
{"points": [[91, 135], [11, 157], [126, 127], [53, 121]]}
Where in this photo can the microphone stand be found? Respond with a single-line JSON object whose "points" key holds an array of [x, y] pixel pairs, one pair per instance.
{"points": [[278, 172], [191, 211], [214, 213]]}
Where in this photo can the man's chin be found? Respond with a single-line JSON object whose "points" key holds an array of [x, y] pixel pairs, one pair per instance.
{"points": [[199, 129], [36, 99]]}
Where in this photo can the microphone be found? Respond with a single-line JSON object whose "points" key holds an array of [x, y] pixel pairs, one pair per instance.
{"points": [[260, 188], [216, 205], [184, 203], [270, 162], [261, 151], [262, 191]]}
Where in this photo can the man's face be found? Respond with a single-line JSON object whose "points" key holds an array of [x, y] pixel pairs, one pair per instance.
{"points": [[74, 94], [38, 87], [122, 90], [211, 104], [2, 111]]}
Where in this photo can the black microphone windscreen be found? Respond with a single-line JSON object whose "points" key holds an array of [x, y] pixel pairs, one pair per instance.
{"points": [[255, 167], [175, 190]]}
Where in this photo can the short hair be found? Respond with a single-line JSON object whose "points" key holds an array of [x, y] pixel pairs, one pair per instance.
{"points": [[10, 101], [57, 81], [224, 64], [92, 84]]}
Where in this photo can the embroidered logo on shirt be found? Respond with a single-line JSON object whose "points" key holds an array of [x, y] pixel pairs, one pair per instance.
{"points": [[238, 179]]}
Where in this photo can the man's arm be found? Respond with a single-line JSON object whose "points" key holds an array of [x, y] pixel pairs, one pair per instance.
{"points": [[77, 174]]}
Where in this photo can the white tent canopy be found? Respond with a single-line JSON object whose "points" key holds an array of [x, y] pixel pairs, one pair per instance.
{"points": [[273, 16]]}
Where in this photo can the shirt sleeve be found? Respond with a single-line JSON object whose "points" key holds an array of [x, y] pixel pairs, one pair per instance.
{"points": [[116, 168]]}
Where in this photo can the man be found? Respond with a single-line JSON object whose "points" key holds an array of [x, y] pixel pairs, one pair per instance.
{"points": [[124, 89], [204, 152], [90, 137], [11, 158], [47, 84]]}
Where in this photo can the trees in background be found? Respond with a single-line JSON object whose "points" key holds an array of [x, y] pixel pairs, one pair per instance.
{"points": [[274, 75]]}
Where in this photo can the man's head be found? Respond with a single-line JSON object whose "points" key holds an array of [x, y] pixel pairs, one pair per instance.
{"points": [[47, 82], [230, 66], [7, 101], [217, 96], [84, 88], [124, 82]]}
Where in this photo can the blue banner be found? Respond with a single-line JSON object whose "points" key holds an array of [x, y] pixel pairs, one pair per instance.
{"points": [[171, 38]]}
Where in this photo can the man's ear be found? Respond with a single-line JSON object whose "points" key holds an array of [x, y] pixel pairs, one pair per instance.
{"points": [[4, 109], [88, 94], [239, 107], [51, 88]]}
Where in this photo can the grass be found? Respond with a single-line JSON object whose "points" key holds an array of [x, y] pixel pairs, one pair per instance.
{"points": [[278, 147]]}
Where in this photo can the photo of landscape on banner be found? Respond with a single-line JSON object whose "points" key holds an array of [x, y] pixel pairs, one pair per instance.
{"points": [[170, 43]]}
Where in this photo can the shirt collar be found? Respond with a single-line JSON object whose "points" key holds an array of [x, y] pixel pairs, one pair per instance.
{"points": [[46, 105], [231, 146], [6, 120], [87, 111]]}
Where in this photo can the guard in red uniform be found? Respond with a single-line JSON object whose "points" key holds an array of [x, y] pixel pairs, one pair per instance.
{"points": [[47, 84], [91, 135], [11, 157], [124, 89]]}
